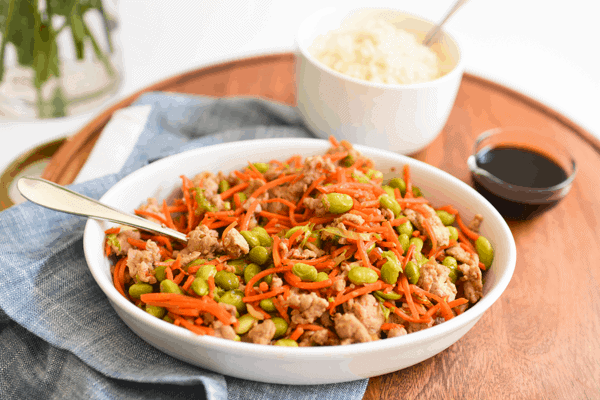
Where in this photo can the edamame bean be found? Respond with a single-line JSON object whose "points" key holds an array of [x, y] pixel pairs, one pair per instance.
{"points": [[235, 298], [405, 228], [374, 174], [389, 202], [239, 265], [305, 272], [485, 251], [250, 238], [398, 183], [446, 218], [245, 323], [390, 272], [206, 271], [138, 289], [293, 230], [416, 191], [226, 280], [450, 262], [168, 319], [168, 286], [453, 233], [280, 326], [156, 311], [263, 236], [259, 255], [286, 343], [159, 273], [389, 190], [388, 296], [362, 275], [200, 287], [338, 203], [267, 279], [418, 242], [404, 240], [223, 186], [218, 292], [267, 305], [322, 276], [412, 272], [199, 261], [250, 271], [261, 167]]}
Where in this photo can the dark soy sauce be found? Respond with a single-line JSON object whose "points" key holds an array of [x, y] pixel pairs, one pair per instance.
{"points": [[521, 167]]}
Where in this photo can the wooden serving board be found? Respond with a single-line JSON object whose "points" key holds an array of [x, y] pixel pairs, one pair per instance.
{"points": [[541, 339]]}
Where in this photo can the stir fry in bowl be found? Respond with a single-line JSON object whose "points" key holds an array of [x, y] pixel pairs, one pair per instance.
{"points": [[319, 251]]}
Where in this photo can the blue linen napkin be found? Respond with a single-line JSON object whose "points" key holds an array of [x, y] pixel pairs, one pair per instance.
{"points": [[59, 336]]}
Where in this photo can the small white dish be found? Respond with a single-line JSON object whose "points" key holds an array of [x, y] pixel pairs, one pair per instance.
{"points": [[314, 365], [401, 118]]}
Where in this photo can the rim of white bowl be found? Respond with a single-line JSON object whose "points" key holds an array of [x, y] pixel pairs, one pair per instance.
{"points": [[302, 46], [93, 229]]}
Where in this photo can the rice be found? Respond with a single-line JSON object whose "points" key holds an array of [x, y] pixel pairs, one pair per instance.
{"points": [[378, 52]]}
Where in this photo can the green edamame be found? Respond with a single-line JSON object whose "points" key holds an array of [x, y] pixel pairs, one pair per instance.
{"points": [[390, 272], [412, 272], [389, 202], [250, 238], [156, 311], [235, 298], [238, 265], [388, 296], [307, 273], [404, 240], [200, 287], [446, 218], [259, 255], [223, 186], [322, 276], [138, 289], [362, 275], [267, 305], [280, 326], [168, 286], [416, 191], [406, 228], [261, 167], [245, 323], [198, 261], [250, 271], [418, 242], [263, 236], [389, 190], [286, 343], [338, 203], [450, 262], [348, 160], [485, 251], [374, 174], [398, 183], [168, 319], [206, 271], [159, 273], [453, 233], [226, 280]]}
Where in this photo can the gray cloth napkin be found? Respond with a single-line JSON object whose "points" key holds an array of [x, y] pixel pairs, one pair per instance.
{"points": [[59, 336]]}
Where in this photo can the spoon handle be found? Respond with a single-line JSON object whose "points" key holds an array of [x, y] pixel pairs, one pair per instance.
{"points": [[56, 197], [434, 31]]}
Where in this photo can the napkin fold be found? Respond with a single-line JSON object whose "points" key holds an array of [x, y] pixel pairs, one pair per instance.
{"points": [[59, 336]]}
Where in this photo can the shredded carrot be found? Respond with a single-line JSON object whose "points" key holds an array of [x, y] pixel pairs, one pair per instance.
{"points": [[272, 184], [388, 326], [266, 295], [297, 333], [249, 213], [468, 233], [111, 231]]}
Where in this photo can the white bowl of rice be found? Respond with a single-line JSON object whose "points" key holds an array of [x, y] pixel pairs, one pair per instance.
{"points": [[363, 75]]}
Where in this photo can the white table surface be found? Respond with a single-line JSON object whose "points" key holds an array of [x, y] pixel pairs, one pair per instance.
{"points": [[547, 50]]}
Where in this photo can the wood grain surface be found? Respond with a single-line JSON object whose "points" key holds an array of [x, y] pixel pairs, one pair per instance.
{"points": [[541, 339]]}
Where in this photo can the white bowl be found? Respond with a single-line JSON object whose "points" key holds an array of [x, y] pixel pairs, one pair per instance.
{"points": [[400, 118], [314, 365]]}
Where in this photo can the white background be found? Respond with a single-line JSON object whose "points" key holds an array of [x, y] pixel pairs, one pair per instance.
{"points": [[545, 49]]}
